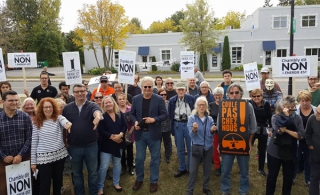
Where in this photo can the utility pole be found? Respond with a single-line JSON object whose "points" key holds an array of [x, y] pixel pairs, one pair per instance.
{"points": [[291, 44]]}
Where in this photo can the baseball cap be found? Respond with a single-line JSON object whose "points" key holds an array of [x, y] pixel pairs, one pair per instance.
{"points": [[103, 78], [180, 85], [265, 69]]}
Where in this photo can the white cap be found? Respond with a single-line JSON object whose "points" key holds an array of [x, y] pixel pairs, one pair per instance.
{"points": [[265, 69]]}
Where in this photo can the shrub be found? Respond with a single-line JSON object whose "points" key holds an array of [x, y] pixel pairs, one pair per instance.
{"points": [[96, 71], [154, 68], [175, 66], [260, 66], [203, 64], [239, 68], [226, 61], [114, 70], [153, 59]]}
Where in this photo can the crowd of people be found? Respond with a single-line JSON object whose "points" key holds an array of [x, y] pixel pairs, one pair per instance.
{"points": [[51, 129]]}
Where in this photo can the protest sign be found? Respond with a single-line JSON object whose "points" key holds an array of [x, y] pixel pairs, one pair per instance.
{"points": [[18, 177], [2, 68], [187, 64], [72, 69], [22, 60], [96, 80], [233, 127], [294, 66], [126, 69], [251, 76]]}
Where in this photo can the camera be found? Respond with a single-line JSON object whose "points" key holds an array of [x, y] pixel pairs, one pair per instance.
{"points": [[183, 117]]}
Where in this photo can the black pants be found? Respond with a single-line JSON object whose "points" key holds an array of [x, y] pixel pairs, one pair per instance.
{"points": [[314, 177], [167, 143], [50, 171], [262, 147], [274, 165], [127, 159]]}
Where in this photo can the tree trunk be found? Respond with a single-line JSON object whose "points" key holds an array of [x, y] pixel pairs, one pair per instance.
{"points": [[95, 54], [105, 58]]}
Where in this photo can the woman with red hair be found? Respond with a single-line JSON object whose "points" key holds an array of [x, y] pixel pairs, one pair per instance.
{"points": [[48, 151]]}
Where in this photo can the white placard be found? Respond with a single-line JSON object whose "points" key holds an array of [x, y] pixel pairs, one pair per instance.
{"points": [[96, 80], [2, 68], [18, 177], [22, 60], [72, 70], [187, 64], [126, 69], [294, 66], [251, 75]]}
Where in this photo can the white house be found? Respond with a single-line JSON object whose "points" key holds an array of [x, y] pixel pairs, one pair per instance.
{"points": [[269, 38]]}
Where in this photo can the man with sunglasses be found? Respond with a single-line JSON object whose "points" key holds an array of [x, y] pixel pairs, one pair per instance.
{"points": [[235, 91], [170, 89], [180, 107], [105, 89], [147, 112]]}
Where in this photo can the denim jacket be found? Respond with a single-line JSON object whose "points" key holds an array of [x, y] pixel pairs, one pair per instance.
{"points": [[202, 136]]}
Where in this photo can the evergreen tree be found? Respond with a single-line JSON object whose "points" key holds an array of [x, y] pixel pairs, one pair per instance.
{"points": [[203, 64], [284, 2], [267, 3], [226, 61]]}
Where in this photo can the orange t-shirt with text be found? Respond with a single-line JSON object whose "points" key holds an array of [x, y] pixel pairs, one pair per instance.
{"points": [[109, 91]]}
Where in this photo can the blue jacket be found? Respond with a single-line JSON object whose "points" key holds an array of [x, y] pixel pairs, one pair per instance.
{"points": [[157, 110], [203, 135], [209, 97], [189, 99]]}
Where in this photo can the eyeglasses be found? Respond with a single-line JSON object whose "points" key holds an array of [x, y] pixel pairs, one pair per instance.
{"points": [[201, 105], [147, 87], [217, 95], [313, 79], [236, 92], [204, 87], [44, 78], [103, 81], [12, 101], [98, 97], [163, 94], [256, 96], [169, 83], [47, 107], [77, 92]]}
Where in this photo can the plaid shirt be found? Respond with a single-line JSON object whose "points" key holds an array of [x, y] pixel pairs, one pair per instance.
{"points": [[15, 134], [272, 99]]}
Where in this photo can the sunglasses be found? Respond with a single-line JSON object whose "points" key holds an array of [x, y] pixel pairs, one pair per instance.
{"points": [[103, 81], [147, 87], [163, 94], [98, 97], [169, 83], [236, 92], [256, 96]]}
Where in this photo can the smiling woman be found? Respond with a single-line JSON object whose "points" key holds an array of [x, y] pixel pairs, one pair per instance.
{"points": [[48, 151]]}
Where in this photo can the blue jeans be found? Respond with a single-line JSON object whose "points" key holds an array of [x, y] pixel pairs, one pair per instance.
{"points": [[243, 163], [105, 159], [154, 148], [182, 137], [303, 148], [87, 154]]}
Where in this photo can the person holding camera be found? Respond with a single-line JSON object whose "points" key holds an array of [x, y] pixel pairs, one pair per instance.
{"points": [[180, 107]]}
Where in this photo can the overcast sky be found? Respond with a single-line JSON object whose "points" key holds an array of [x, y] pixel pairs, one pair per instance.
{"points": [[149, 11]]}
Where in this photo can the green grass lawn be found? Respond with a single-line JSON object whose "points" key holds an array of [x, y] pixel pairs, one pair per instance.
{"points": [[168, 185]]}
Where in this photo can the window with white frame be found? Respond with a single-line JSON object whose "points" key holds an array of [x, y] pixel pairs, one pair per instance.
{"points": [[165, 54], [281, 52], [308, 21], [116, 58], [236, 53], [279, 22], [313, 51]]}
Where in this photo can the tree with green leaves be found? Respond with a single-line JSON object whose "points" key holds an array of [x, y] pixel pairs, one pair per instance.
{"points": [[204, 61], [198, 35], [176, 18], [284, 2], [267, 3], [226, 60], [307, 2]]}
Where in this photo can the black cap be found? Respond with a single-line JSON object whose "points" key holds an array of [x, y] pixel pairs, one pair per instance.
{"points": [[104, 78]]}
